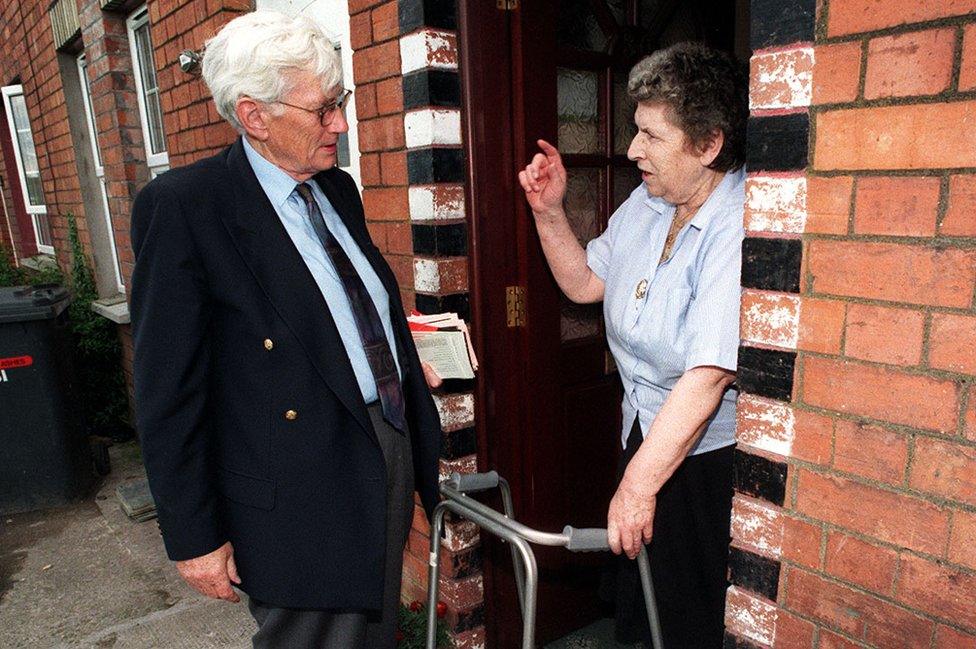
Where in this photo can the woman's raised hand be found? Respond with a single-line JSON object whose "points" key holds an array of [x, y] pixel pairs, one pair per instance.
{"points": [[544, 180]]}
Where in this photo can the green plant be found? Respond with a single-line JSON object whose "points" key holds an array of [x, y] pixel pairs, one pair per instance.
{"points": [[97, 352], [412, 626], [10, 275]]}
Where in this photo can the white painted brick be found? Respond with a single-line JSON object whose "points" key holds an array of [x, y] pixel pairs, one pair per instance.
{"points": [[466, 464], [456, 410], [766, 424], [750, 617], [460, 536], [757, 525], [426, 276], [432, 202], [776, 204], [428, 49], [428, 127], [784, 79], [770, 318]]}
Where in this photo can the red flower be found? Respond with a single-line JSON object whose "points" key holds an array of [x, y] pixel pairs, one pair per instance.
{"points": [[415, 606], [399, 636], [441, 609]]}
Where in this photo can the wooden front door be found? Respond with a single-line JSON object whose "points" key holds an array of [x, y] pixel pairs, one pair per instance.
{"points": [[549, 394]]}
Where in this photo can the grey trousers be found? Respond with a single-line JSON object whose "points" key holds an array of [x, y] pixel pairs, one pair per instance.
{"points": [[285, 628]]}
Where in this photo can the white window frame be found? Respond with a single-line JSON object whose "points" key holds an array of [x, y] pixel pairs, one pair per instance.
{"points": [[99, 167], [158, 162], [35, 211]]}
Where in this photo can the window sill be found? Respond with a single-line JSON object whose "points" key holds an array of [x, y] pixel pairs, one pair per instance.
{"points": [[39, 262], [115, 308]]}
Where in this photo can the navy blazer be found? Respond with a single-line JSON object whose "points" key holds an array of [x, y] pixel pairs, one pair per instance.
{"points": [[252, 424]]}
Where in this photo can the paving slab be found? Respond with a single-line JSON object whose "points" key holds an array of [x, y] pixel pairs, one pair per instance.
{"points": [[85, 575]]}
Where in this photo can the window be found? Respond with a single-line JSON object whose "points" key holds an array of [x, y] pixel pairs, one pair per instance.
{"points": [[150, 110], [27, 169], [99, 168]]}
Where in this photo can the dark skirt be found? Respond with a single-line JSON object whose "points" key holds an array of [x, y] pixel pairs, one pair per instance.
{"points": [[688, 553]]}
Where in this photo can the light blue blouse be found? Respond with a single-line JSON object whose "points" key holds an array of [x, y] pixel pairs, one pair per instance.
{"points": [[280, 189], [688, 313]]}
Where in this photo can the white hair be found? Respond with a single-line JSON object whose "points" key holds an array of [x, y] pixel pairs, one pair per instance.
{"points": [[255, 54]]}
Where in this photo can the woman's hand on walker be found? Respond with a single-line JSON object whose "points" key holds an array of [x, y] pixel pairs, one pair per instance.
{"points": [[630, 521], [544, 180]]}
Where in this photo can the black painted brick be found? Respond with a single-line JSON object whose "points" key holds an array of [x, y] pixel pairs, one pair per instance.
{"points": [[459, 443], [735, 642], [772, 264], [466, 563], [781, 22], [759, 477], [458, 303], [432, 88], [778, 142], [414, 14], [754, 573], [766, 372], [468, 620], [425, 166], [448, 240]]}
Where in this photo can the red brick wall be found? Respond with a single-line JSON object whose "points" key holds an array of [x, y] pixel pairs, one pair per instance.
{"points": [[193, 128], [876, 537]]}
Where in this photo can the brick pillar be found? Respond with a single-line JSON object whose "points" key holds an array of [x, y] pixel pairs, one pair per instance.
{"points": [[408, 103], [854, 520]]}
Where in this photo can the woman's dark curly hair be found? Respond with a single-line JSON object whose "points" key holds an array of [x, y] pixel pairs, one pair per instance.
{"points": [[705, 89]]}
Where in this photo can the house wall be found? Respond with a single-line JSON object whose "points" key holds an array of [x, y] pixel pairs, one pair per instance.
{"points": [[855, 513]]}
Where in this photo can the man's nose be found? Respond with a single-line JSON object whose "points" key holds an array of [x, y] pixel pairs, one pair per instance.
{"points": [[339, 124]]}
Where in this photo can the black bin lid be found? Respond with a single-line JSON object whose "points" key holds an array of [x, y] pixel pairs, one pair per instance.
{"points": [[26, 303]]}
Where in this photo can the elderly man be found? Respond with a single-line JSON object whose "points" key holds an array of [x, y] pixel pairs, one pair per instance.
{"points": [[283, 411]]}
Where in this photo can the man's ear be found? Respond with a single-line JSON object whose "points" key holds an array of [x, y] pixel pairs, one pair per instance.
{"points": [[253, 117], [709, 150]]}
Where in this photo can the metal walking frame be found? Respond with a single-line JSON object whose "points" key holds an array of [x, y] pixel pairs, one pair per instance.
{"points": [[519, 537]]}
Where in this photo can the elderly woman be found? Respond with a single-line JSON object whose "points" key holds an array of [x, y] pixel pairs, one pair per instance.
{"points": [[284, 415], [667, 271]]}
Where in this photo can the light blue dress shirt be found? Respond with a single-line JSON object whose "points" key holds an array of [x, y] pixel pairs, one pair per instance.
{"points": [[280, 189], [688, 315]]}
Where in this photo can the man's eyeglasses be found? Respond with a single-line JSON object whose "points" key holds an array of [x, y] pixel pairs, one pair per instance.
{"points": [[327, 112]]}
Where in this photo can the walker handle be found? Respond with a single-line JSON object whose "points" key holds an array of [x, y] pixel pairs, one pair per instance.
{"points": [[467, 482], [591, 539]]}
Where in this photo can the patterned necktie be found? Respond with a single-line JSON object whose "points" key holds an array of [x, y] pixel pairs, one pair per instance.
{"points": [[377, 348]]}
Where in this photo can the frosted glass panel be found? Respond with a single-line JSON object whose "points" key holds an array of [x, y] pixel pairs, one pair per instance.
{"points": [[582, 209], [624, 128], [579, 123]]}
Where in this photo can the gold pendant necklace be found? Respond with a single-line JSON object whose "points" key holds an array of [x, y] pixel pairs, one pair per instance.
{"points": [[641, 290]]}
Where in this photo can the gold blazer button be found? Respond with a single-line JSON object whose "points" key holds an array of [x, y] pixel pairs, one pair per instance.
{"points": [[291, 415], [268, 344]]}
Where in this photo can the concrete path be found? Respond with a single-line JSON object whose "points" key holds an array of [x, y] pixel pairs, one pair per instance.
{"points": [[86, 576]]}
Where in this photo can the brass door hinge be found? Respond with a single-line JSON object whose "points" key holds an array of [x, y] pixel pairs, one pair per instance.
{"points": [[515, 303], [507, 5]]}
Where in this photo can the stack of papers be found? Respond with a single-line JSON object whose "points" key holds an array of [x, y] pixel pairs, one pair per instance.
{"points": [[444, 343]]}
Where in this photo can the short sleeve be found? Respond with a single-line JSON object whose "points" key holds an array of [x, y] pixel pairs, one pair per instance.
{"points": [[599, 250], [712, 321]]}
